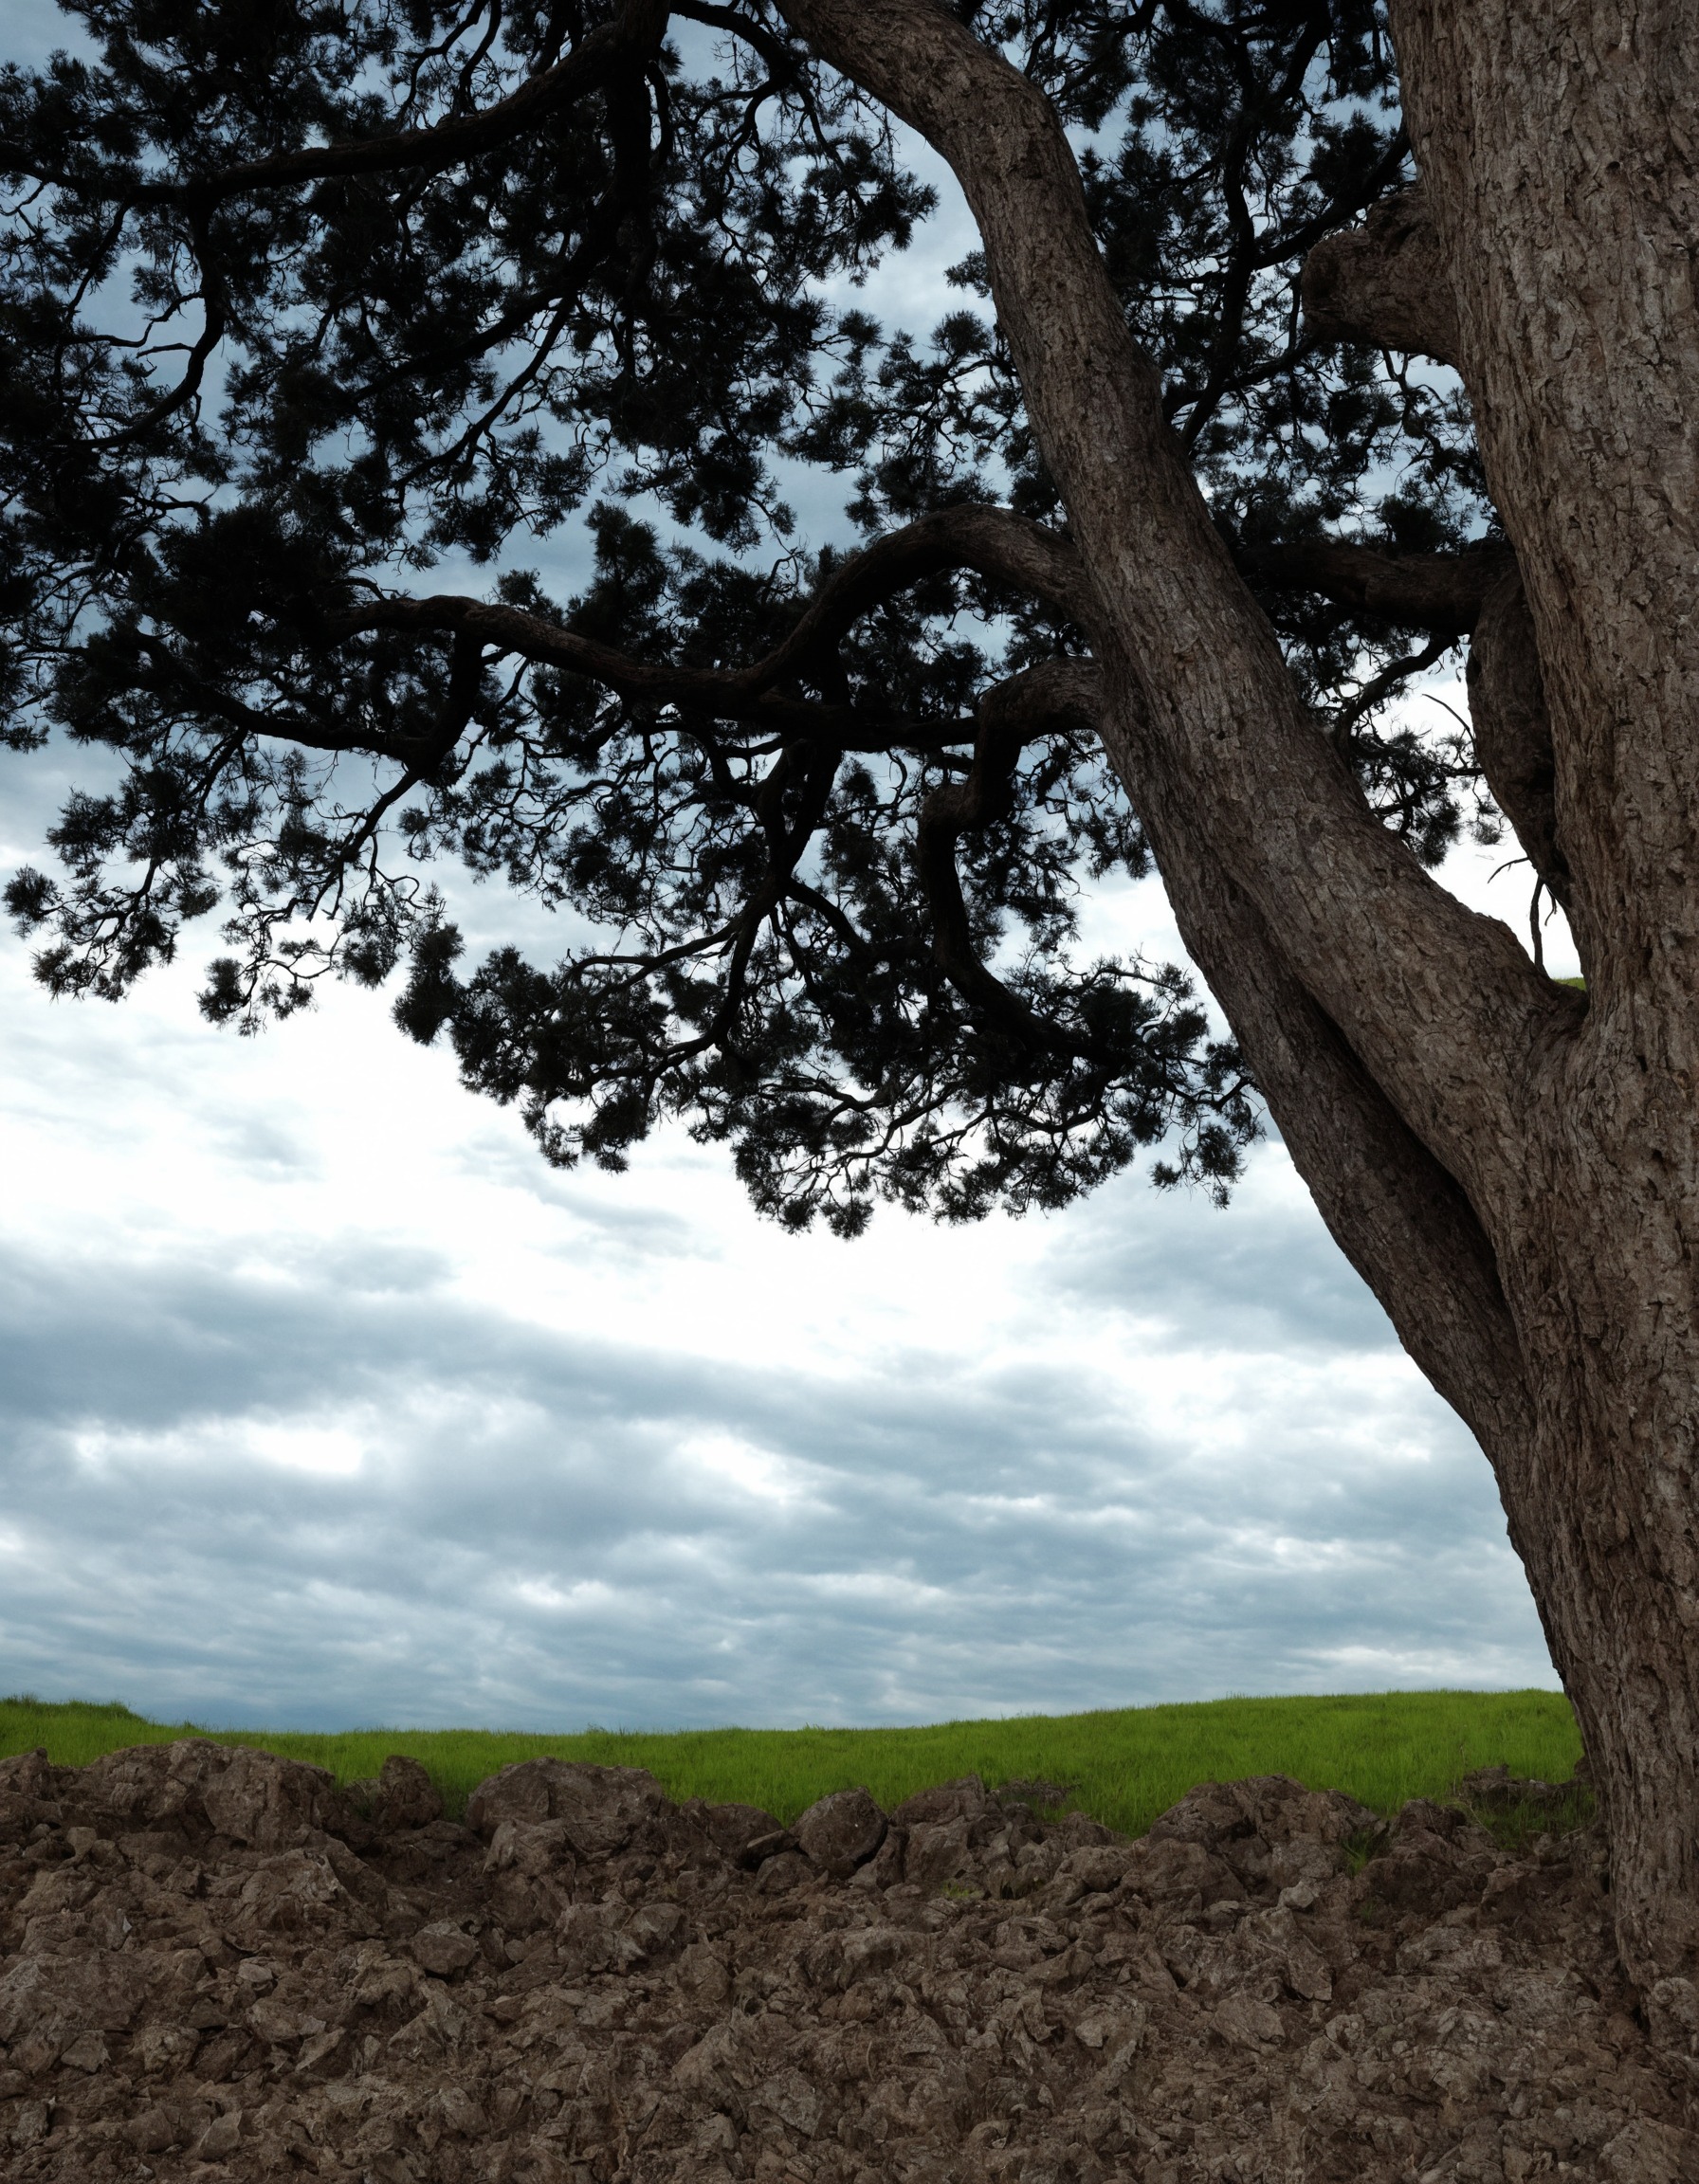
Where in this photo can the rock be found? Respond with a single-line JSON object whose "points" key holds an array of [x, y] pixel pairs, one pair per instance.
{"points": [[965, 1800], [1249, 2023], [401, 1795], [1434, 1859], [252, 1797], [937, 1853], [596, 1970], [757, 1851], [1648, 2152], [152, 2132], [604, 1809], [734, 1827], [444, 1949], [786, 1869], [655, 1926], [794, 2100], [1179, 1874], [270, 1804], [841, 1831], [1096, 1870], [221, 2137]]}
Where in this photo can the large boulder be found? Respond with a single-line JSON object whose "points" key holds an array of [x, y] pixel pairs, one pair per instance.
{"points": [[841, 1831], [605, 1810], [734, 1827], [252, 1797]]}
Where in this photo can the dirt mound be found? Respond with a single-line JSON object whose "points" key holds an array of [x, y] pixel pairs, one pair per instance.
{"points": [[217, 1966]]}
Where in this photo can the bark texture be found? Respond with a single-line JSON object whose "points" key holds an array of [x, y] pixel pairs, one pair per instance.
{"points": [[1560, 165], [1444, 593], [1383, 283], [1506, 706], [1512, 1169]]}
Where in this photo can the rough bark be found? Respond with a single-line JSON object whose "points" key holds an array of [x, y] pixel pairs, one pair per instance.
{"points": [[1444, 593], [1384, 283], [1560, 169], [1506, 707], [1513, 1170]]}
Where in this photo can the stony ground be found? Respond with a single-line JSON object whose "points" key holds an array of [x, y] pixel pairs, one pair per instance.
{"points": [[216, 1966]]}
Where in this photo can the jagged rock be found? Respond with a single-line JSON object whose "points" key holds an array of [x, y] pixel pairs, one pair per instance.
{"points": [[401, 1795], [444, 1948], [841, 1831], [604, 1809], [734, 1827], [964, 1801], [591, 1983], [937, 1851]]}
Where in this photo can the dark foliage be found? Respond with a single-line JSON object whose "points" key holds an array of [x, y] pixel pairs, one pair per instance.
{"points": [[301, 299]]}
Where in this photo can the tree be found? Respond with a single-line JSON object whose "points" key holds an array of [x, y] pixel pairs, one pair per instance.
{"points": [[303, 299]]}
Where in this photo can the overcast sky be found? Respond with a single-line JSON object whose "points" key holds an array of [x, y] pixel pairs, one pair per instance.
{"points": [[323, 1402]]}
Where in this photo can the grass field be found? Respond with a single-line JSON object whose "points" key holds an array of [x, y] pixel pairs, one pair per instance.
{"points": [[1121, 1767]]}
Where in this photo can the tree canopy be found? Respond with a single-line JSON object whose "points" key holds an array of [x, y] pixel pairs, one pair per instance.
{"points": [[309, 305]]}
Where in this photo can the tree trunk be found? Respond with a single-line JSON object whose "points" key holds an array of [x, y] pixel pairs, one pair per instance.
{"points": [[1602, 1508], [1512, 1170], [1558, 157]]}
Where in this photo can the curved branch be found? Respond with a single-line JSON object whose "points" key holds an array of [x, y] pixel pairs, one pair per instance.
{"points": [[1380, 687], [612, 49], [1512, 729], [725, 693], [1384, 283], [995, 541], [214, 318], [1441, 592], [1010, 715]]}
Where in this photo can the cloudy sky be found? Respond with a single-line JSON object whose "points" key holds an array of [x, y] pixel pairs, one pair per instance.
{"points": [[323, 1402]]}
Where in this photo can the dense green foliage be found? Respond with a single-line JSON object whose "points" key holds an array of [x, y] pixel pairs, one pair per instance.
{"points": [[1123, 1767], [303, 304]]}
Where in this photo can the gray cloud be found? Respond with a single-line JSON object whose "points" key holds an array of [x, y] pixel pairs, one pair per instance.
{"points": [[533, 1527], [323, 1400]]}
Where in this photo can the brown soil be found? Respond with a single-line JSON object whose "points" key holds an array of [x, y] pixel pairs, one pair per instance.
{"points": [[219, 1967]]}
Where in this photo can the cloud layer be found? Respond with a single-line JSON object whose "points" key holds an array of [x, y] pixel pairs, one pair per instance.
{"points": [[322, 1401]]}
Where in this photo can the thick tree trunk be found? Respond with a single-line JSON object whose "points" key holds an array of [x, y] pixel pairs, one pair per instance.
{"points": [[1559, 163], [1514, 1172], [1600, 1274]]}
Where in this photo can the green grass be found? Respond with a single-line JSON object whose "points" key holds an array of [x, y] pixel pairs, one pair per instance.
{"points": [[1121, 1767]]}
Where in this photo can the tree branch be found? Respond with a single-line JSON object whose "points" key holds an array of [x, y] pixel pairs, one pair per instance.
{"points": [[1440, 1003], [1442, 593], [1383, 283], [994, 541], [1010, 716], [1507, 709], [631, 38]]}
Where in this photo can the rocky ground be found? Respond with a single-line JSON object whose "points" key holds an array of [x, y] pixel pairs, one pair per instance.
{"points": [[217, 1966]]}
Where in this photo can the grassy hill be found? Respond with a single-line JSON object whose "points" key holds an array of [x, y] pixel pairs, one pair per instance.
{"points": [[1121, 1767]]}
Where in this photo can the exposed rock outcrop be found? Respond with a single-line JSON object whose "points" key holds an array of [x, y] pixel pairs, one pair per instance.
{"points": [[216, 1965]]}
